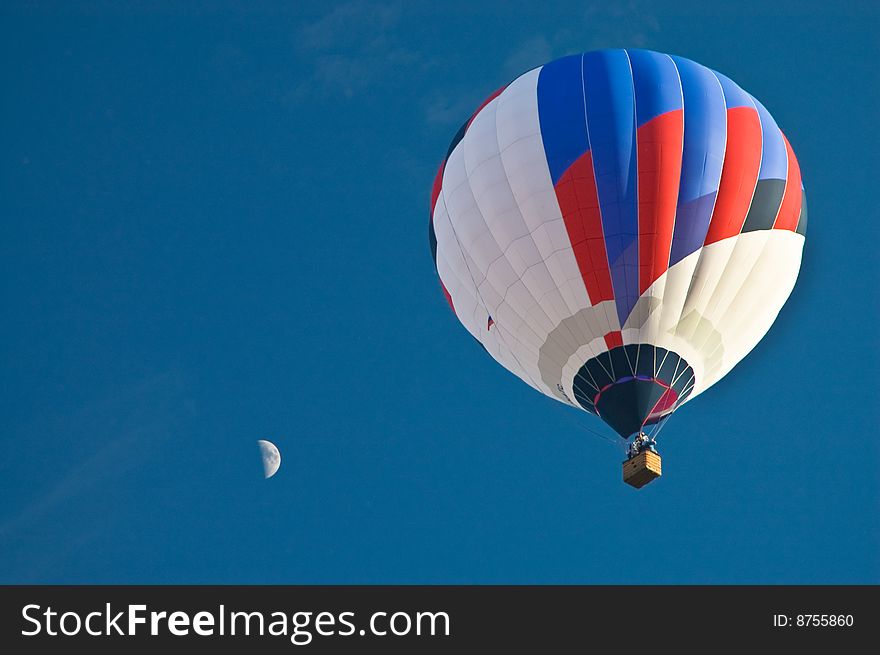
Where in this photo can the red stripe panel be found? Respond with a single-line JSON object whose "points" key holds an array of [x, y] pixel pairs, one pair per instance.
{"points": [[742, 161], [790, 209], [485, 102], [613, 339], [438, 184], [579, 202], [448, 297], [666, 401], [659, 171]]}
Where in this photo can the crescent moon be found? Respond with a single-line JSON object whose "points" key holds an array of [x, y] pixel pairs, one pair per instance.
{"points": [[271, 457]]}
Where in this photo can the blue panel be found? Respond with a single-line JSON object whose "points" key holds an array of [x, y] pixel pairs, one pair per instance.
{"points": [[705, 137], [611, 125], [733, 95], [561, 114], [774, 159], [656, 83]]}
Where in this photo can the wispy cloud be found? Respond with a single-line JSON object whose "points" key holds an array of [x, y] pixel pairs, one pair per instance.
{"points": [[605, 25], [618, 25], [353, 47], [346, 20], [128, 427], [532, 52], [454, 107], [444, 109]]}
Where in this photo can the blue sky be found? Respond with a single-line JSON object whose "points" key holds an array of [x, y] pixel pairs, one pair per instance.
{"points": [[215, 231]]}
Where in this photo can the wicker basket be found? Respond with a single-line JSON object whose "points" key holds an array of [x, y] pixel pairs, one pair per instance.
{"points": [[641, 469]]}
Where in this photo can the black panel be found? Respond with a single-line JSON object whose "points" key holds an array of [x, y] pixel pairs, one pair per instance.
{"points": [[645, 364], [668, 369], [587, 379], [687, 392], [685, 377], [802, 221], [594, 366], [765, 205], [584, 399], [621, 363], [625, 406], [632, 352]]}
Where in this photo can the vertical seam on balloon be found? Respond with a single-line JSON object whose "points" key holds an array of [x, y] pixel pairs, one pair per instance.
{"points": [[760, 162], [598, 204], [635, 182], [701, 250], [723, 156], [681, 159], [787, 179], [659, 321], [789, 169], [635, 128]]}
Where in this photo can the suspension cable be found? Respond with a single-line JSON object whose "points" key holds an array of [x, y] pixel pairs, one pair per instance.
{"points": [[618, 445]]}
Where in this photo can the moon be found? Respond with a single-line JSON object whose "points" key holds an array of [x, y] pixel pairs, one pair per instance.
{"points": [[271, 457]]}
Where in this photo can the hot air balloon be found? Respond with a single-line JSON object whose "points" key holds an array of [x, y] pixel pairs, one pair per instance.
{"points": [[618, 229]]}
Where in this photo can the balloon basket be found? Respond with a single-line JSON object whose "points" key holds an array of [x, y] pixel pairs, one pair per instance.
{"points": [[642, 469]]}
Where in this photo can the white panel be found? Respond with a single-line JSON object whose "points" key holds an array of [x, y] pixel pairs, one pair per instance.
{"points": [[677, 283], [711, 269], [761, 296], [747, 249], [740, 285]]}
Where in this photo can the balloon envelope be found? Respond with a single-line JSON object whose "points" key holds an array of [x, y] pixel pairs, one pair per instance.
{"points": [[619, 229]]}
